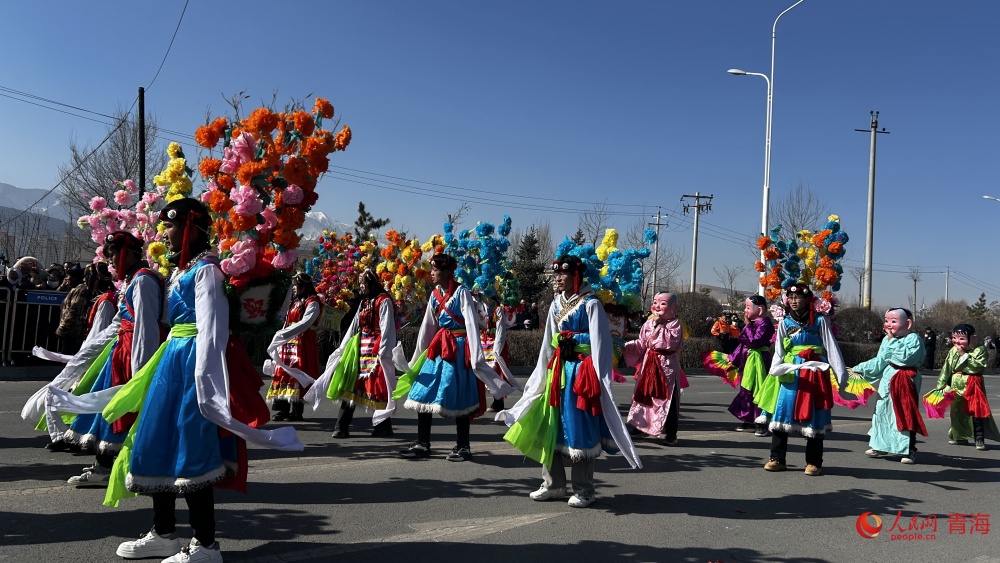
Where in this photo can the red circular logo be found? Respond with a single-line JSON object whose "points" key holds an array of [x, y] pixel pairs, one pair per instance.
{"points": [[869, 525]]}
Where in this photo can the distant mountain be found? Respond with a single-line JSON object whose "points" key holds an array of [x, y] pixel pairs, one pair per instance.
{"points": [[316, 222], [20, 198], [50, 225]]}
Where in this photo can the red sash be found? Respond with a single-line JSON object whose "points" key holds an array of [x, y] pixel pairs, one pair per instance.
{"points": [[975, 404], [586, 385], [903, 392], [652, 382], [815, 389]]}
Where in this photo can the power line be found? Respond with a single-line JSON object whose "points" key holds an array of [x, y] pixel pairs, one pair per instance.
{"points": [[179, 20]]}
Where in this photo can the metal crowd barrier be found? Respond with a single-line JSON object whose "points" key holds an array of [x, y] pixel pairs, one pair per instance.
{"points": [[6, 305], [32, 321]]}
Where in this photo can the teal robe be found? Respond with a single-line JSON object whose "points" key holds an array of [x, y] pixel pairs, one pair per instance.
{"points": [[905, 351]]}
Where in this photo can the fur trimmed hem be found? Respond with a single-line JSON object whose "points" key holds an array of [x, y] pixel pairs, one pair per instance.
{"points": [[85, 441], [579, 455], [109, 447], [762, 419], [437, 409], [179, 485], [807, 431]]}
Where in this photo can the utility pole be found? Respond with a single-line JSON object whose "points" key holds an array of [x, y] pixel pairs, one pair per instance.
{"points": [[656, 244], [869, 234], [947, 276], [142, 141], [698, 206]]}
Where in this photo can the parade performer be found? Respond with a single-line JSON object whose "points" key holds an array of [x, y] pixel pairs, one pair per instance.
{"points": [[100, 284], [138, 336], [727, 332], [494, 342], [656, 401], [294, 352], [962, 372], [805, 352], [568, 409], [361, 370], [896, 372], [443, 373], [752, 357], [194, 401]]}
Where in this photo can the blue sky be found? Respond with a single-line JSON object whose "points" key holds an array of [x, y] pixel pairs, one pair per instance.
{"points": [[581, 101]]}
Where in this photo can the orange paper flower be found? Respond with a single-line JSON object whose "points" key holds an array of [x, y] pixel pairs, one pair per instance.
{"points": [[206, 137], [261, 121], [323, 107], [209, 167], [242, 222], [220, 203], [759, 266], [763, 242]]}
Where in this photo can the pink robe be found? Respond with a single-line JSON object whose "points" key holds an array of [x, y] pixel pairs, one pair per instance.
{"points": [[665, 340]]}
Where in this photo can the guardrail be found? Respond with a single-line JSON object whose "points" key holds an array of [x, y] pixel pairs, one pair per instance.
{"points": [[31, 320]]}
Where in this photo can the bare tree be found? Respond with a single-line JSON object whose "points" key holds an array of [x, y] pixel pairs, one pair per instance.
{"points": [[915, 274], [546, 248], [594, 222], [455, 217], [859, 275], [728, 276], [116, 161], [666, 263], [800, 209]]}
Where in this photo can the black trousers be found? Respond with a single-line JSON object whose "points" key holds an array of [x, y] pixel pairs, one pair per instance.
{"points": [[779, 447], [347, 415], [673, 416], [201, 514], [913, 441], [979, 429], [424, 421], [281, 405]]}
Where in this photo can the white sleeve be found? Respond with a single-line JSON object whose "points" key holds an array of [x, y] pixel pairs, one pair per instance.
{"points": [[533, 389], [211, 376], [496, 384], [600, 350], [147, 298], [428, 328], [387, 343], [833, 355], [317, 391], [310, 316], [106, 311]]}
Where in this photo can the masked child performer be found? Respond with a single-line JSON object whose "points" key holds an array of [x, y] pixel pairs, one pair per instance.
{"points": [[138, 336], [100, 284], [962, 372], [361, 370], [189, 399], [294, 352], [805, 352], [896, 372], [567, 410], [752, 357], [443, 373], [656, 401]]}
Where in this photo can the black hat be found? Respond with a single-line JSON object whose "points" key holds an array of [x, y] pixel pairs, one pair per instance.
{"points": [[567, 263], [444, 262], [799, 288]]}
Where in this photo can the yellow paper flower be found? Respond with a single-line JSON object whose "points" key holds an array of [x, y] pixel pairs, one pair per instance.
{"points": [[157, 249], [174, 150], [833, 218]]}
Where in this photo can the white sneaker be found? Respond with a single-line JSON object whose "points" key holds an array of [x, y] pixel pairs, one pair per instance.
{"points": [[197, 553], [874, 453], [548, 494], [98, 476], [909, 460], [580, 501], [150, 545]]}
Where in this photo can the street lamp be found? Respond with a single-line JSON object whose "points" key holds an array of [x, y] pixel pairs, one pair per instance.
{"points": [[991, 197], [767, 131]]}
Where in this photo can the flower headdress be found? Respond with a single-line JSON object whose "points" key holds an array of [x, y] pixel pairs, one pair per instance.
{"points": [[811, 259], [261, 189], [128, 212], [615, 275]]}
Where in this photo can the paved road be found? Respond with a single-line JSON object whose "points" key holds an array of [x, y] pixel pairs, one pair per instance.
{"points": [[707, 499]]}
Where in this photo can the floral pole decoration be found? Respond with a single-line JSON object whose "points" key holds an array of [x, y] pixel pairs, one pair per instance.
{"points": [[405, 274], [482, 260], [127, 212], [335, 268], [261, 189]]}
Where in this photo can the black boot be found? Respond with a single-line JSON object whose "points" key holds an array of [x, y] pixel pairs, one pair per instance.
{"points": [[297, 409], [344, 420], [383, 429], [280, 407]]}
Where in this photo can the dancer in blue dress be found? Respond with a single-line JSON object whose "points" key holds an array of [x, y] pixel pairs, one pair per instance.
{"points": [[567, 409], [805, 353], [443, 373]]}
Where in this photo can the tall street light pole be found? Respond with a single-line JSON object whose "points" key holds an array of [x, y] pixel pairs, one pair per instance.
{"points": [[767, 128]]}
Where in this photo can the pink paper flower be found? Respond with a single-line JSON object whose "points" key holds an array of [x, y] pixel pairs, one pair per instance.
{"points": [[285, 260], [239, 152], [270, 220], [821, 306], [777, 312], [98, 203], [243, 259], [292, 195], [246, 201], [128, 218], [131, 187]]}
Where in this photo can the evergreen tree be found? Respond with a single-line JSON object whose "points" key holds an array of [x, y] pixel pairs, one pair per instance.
{"points": [[527, 267], [366, 223], [579, 238], [979, 310]]}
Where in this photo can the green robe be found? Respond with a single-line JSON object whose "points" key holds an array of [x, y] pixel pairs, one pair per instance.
{"points": [[956, 367], [905, 351]]}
